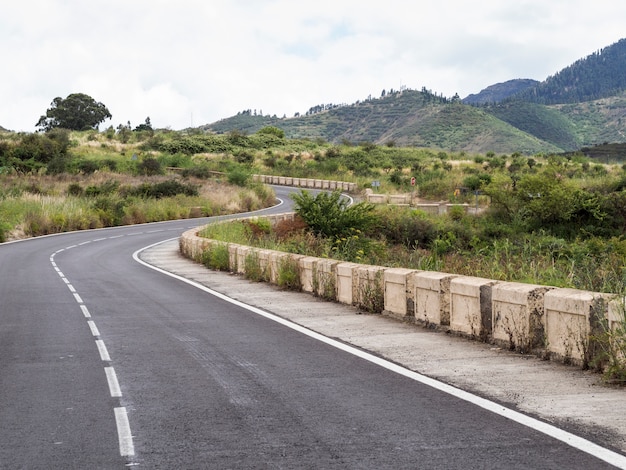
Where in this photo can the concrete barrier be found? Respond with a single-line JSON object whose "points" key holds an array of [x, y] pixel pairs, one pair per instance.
{"points": [[470, 306], [397, 291], [428, 208], [563, 324], [307, 266], [400, 199], [325, 279], [345, 282], [368, 288], [306, 183], [519, 316], [377, 198], [573, 318], [432, 297]]}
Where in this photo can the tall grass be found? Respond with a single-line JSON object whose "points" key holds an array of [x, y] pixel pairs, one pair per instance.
{"points": [[32, 206]]}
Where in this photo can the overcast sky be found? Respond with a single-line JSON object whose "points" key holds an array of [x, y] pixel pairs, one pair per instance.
{"points": [[192, 62]]}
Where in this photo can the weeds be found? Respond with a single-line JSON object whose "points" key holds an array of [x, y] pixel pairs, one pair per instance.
{"points": [[217, 257], [289, 274]]}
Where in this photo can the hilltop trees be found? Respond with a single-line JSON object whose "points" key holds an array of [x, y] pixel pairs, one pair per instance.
{"points": [[77, 112]]}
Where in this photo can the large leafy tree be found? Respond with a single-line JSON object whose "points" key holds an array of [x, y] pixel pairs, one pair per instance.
{"points": [[77, 112]]}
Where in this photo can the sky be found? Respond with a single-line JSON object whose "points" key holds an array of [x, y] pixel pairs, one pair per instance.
{"points": [[187, 63]]}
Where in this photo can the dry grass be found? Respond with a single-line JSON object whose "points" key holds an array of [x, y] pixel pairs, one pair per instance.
{"points": [[37, 205]]}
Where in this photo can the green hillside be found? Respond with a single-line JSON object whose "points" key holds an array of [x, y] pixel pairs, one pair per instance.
{"points": [[599, 75], [408, 118], [545, 123]]}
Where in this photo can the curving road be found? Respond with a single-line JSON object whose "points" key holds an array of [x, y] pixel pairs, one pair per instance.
{"points": [[105, 363]]}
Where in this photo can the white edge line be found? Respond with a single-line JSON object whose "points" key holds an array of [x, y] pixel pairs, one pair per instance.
{"points": [[127, 449], [78, 298], [85, 311], [568, 438], [114, 385]]}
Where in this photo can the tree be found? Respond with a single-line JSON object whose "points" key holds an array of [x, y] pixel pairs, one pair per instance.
{"points": [[146, 126], [77, 112]]}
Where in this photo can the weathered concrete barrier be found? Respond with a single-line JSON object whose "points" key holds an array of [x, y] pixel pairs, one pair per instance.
{"points": [[519, 316], [429, 208], [470, 306], [397, 293], [432, 297], [564, 324], [325, 278], [377, 198], [345, 293], [400, 199], [574, 321], [306, 183]]}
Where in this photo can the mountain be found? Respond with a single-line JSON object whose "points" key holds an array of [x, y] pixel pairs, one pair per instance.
{"points": [[583, 105], [599, 75], [406, 118], [500, 91]]}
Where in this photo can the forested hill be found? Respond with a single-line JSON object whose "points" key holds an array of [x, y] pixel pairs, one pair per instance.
{"points": [[500, 91], [599, 75], [581, 106]]}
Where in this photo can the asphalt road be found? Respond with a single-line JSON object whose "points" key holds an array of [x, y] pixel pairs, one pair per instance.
{"points": [[105, 363]]}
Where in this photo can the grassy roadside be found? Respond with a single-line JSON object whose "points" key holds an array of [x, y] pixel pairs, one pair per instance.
{"points": [[39, 205]]}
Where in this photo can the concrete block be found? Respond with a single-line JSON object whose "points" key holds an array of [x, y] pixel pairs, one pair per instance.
{"points": [[345, 288], [470, 306], [325, 278], [432, 297], [377, 198], [242, 254], [428, 208], [400, 199], [396, 292], [307, 267], [518, 316], [368, 290], [572, 317], [232, 257]]}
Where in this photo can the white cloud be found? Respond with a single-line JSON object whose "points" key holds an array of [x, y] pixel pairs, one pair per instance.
{"points": [[194, 62]]}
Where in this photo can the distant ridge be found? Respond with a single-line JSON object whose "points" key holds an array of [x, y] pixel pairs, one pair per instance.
{"points": [[500, 91], [599, 75], [582, 106]]}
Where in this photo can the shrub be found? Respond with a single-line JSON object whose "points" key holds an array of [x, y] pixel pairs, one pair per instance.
{"points": [[217, 257], [252, 268], [329, 215], [289, 274], [238, 176]]}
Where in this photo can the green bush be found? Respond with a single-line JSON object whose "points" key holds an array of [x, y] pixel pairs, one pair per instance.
{"points": [[217, 257], [252, 268], [289, 274], [330, 215]]}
